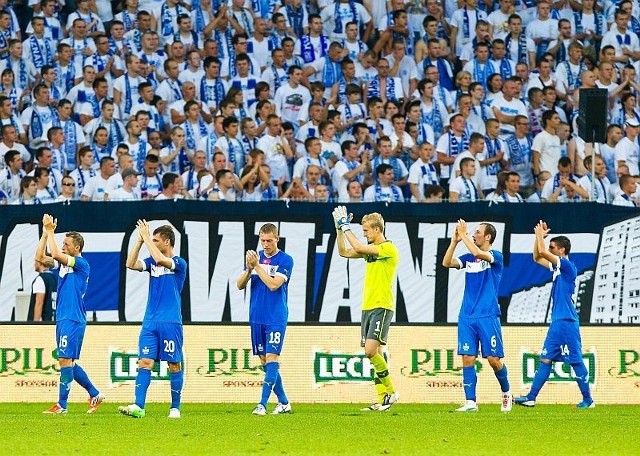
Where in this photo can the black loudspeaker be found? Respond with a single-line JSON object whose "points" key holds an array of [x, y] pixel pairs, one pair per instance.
{"points": [[592, 115]]}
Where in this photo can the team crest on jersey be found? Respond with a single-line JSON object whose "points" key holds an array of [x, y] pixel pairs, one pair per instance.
{"points": [[145, 351], [477, 266], [64, 270], [157, 270], [270, 269]]}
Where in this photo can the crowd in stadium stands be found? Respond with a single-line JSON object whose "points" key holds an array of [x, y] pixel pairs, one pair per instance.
{"points": [[316, 100]]}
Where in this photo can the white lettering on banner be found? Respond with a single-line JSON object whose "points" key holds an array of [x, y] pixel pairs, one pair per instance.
{"points": [[213, 270], [417, 281], [208, 294], [298, 237], [17, 267]]}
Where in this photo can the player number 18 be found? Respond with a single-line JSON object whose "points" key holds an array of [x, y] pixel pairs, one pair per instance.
{"points": [[274, 337]]}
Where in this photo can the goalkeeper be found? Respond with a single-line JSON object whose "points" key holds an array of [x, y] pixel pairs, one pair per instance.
{"points": [[378, 300]]}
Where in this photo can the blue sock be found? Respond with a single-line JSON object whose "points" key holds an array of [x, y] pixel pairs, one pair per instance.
{"points": [[469, 381], [270, 378], [542, 374], [82, 378], [66, 378], [278, 389], [177, 379], [143, 379], [582, 377], [501, 375]]}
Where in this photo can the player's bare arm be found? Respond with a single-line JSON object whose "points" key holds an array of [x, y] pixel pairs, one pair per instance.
{"points": [[272, 283], [50, 224], [41, 252], [449, 261], [145, 232], [541, 254], [468, 242], [245, 276], [133, 262]]}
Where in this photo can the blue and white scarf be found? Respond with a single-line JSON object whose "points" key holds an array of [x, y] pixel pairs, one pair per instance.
{"points": [[166, 18], [468, 195], [307, 52], [39, 120], [493, 147], [395, 194], [115, 135], [70, 142], [225, 47], [393, 162], [295, 16], [522, 48], [337, 16], [190, 134], [39, 57], [597, 19], [573, 81], [482, 74], [434, 118], [428, 170]]}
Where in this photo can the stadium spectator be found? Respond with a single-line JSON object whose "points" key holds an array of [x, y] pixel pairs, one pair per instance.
{"points": [[130, 180], [95, 188]]}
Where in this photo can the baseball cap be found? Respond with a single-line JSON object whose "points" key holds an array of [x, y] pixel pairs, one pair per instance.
{"points": [[129, 172], [632, 122]]}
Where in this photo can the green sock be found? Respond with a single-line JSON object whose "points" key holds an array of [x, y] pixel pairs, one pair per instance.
{"points": [[382, 371], [381, 390]]}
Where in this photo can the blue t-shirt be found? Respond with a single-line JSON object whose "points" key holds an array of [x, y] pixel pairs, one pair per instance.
{"points": [[270, 307], [72, 285], [165, 285], [564, 285], [481, 282]]}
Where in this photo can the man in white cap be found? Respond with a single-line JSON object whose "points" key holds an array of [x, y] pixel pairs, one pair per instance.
{"points": [[627, 149]]}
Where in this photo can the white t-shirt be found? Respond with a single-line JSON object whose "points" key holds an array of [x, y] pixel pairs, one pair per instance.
{"points": [[289, 101], [465, 188], [549, 147], [120, 194], [95, 188], [421, 174], [627, 151]]}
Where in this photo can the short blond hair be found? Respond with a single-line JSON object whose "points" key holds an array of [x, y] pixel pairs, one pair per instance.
{"points": [[269, 228], [374, 220]]}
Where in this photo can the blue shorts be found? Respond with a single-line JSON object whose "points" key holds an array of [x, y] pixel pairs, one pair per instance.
{"points": [[161, 342], [69, 336], [484, 332], [563, 342], [267, 338]]}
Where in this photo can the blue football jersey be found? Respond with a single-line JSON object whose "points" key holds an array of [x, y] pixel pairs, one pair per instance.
{"points": [[564, 285], [481, 282], [165, 285], [270, 307], [72, 285]]}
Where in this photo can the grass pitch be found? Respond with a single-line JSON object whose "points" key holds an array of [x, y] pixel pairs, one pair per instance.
{"points": [[406, 429]]}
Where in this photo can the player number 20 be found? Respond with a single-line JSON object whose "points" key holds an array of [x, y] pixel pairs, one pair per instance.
{"points": [[169, 346], [274, 337]]}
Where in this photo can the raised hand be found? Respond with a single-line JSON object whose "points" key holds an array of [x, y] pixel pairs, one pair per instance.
{"points": [[49, 224]]}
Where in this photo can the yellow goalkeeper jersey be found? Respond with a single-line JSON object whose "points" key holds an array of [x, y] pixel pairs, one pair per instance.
{"points": [[379, 278]]}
